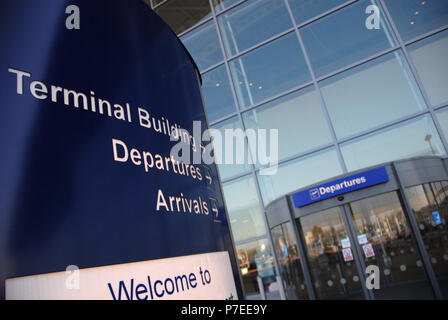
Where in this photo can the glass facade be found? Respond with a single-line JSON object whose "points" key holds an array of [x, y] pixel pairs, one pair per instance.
{"points": [[343, 96]]}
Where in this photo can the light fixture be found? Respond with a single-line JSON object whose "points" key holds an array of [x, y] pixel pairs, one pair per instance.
{"points": [[412, 22], [218, 84], [260, 87]]}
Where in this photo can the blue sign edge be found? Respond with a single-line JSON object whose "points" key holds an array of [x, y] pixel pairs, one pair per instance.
{"points": [[300, 201]]}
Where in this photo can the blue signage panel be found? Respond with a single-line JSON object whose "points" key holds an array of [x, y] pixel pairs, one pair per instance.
{"points": [[436, 216], [333, 188], [91, 93]]}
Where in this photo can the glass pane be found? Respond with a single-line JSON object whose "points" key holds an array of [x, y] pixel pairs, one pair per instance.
{"points": [[223, 4], [384, 237], [429, 203], [442, 116], [342, 38], [217, 94], [234, 157], [299, 119], [430, 60], [244, 209], [257, 268], [181, 15], [299, 173], [307, 9], [416, 137], [416, 17], [252, 22], [203, 45], [374, 93], [330, 255], [269, 70], [291, 270]]}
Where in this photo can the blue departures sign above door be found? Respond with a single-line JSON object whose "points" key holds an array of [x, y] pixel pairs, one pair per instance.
{"points": [[90, 93], [337, 187]]}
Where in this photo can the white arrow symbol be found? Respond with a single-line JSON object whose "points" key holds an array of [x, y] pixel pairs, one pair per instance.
{"points": [[209, 178], [215, 209]]}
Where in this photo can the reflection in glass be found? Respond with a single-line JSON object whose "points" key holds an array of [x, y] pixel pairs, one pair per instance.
{"points": [[373, 93], [288, 255], [304, 10], [252, 22], [299, 173], [417, 17], [342, 38], [384, 237], [257, 267], [299, 119], [267, 71], [244, 209], [412, 138], [430, 60], [330, 255], [429, 204], [217, 94], [234, 150], [203, 45], [181, 15]]}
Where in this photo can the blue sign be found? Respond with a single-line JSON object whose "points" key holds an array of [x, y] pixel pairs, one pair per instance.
{"points": [[330, 189], [436, 216], [91, 93]]}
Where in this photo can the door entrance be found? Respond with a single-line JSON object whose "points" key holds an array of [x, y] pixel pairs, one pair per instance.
{"points": [[385, 240], [332, 264], [429, 205], [342, 241]]}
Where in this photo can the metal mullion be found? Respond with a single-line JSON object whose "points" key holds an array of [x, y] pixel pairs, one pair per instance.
{"points": [[278, 96], [416, 77], [440, 106], [258, 45], [258, 104], [323, 105], [271, 39], [236, 177], [417, 236], [358, 63], [229, 8], [304, 261], [159, 4], [215, 66], [299, 155], [359, 260], [426, 35], [197, 25], [221, 191], [257, 187], [230, 116], [324, 14], [384, 126], [246, 241]]}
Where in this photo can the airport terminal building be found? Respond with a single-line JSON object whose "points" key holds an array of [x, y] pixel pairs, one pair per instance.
{"points": [[358, 92]]}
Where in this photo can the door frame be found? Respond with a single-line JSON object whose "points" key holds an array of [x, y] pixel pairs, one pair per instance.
{"points": [[402, 174], [359, 262]]}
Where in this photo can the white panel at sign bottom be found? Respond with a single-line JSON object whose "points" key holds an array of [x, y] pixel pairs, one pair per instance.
{"points": [[202, 276]]}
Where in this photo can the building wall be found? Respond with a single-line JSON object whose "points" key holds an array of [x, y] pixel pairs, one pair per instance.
{"points": [[342, 96]]}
